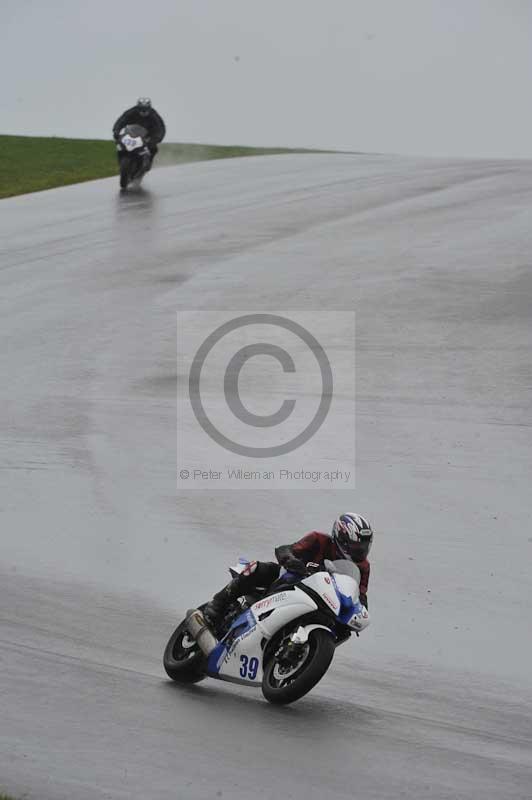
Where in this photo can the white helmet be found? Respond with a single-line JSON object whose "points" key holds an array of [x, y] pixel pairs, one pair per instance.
{"points": [[353, 536]]}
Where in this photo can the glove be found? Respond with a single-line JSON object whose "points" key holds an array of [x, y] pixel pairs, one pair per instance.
{"points": [[293, 564]]}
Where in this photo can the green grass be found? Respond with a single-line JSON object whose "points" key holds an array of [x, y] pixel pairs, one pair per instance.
{"points": [[31, 164]]}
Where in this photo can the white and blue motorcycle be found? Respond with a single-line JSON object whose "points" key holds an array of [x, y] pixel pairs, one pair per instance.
{"points": [[283, 641]]}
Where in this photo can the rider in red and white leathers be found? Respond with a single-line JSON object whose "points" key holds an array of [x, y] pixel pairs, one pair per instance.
{"points": [[351, 538]]}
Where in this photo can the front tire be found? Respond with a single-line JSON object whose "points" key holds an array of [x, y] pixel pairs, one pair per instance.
{"points": [[124, 172], [183, 660], [282, 684]]}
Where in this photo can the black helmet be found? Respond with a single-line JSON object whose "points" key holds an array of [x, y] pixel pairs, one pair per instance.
{"points": [[144, 105], [353, 536]]}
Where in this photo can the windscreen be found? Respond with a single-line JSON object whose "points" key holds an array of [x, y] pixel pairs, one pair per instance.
{"points": [[343, 567], [136, 130]]}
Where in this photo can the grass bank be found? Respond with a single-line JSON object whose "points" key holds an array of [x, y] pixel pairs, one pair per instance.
{"points": [[31, 163], [34, 163]]}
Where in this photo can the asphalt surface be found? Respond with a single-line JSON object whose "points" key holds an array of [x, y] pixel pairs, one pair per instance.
{"points": [[101, 554]]}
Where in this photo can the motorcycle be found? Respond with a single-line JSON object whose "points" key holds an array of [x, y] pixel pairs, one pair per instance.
{"points": [[133, 154], [282, 640]]}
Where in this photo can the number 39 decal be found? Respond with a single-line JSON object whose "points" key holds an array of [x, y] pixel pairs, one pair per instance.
{"points": [[249, 667]]}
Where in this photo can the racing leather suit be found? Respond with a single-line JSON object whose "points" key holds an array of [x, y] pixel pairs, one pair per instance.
{"points": [[315, 547]]}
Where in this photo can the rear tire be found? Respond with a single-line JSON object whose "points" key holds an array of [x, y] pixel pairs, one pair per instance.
{"points": [[280, 689], [183, 660]]}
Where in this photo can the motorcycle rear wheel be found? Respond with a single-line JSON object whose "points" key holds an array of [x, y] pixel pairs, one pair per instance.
{"points": [[183, 660], [282, 685]]}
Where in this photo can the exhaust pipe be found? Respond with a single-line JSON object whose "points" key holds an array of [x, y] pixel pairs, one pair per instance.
{"points": [[200, 631]]}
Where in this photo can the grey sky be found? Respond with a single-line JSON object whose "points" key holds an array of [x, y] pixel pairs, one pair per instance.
{"points": [[437, 78]]}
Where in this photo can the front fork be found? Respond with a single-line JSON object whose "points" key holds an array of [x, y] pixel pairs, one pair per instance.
{"points": [[290, 652], [144, 157]]}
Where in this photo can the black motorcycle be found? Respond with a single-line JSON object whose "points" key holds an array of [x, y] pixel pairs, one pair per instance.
{"points": [[134, 156]]}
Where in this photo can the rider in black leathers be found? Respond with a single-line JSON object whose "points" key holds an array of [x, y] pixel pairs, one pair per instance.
{"points": [[143, 114]]}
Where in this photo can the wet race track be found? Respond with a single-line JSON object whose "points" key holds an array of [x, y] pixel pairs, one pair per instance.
{"points": [[101, 554]]}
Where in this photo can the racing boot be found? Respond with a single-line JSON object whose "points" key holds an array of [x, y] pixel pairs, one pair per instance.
{"points": [[214, 610]]}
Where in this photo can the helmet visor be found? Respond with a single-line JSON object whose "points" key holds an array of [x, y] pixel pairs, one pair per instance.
{"points": [[358, 551]]}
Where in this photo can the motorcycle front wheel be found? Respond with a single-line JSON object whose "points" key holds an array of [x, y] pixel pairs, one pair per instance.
{"points": [[124, 172], [183, 660], [284, 683]]}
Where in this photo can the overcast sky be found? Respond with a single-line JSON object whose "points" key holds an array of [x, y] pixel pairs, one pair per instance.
{"points": [[452, 77]]}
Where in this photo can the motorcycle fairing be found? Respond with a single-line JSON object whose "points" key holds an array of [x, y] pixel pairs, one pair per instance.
{"points": [[244, 623], [352, 612], [323, 584], [131, 142], [239, 656]]}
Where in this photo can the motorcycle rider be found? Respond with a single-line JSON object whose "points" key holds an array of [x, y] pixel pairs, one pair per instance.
{"points": [[143, 114], [351, 538]]}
